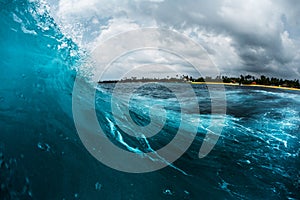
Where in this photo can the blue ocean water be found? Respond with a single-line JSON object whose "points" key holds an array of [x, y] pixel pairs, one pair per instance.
{"points": [[42, 157]]}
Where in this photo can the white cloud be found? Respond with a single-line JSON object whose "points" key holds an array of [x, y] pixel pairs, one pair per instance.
{"points": [[253, 36]]}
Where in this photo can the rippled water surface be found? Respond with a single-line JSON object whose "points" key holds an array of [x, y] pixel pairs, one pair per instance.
{"points": [[42, 157]]}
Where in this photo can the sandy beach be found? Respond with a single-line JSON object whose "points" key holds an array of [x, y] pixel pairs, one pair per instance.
{"points": [[248, 85]]}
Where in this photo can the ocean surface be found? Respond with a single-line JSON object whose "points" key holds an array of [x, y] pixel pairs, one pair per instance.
{"points": [[42, 157]]}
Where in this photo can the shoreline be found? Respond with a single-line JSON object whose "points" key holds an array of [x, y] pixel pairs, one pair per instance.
{"points": [[203, 83], [248, 85]]}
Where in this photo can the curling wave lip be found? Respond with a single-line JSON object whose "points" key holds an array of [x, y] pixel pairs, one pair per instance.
{"points": [[85, 117]]}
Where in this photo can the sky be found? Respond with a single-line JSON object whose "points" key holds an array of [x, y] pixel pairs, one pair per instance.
{"points": [[240, 37]]}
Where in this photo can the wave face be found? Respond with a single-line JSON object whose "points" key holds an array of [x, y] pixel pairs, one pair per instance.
{"points": [[42, 157]]}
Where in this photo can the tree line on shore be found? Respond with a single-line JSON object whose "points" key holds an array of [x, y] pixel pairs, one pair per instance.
{"points": [[242, 80], [248, 79]]}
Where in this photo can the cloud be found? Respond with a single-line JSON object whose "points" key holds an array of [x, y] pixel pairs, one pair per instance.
{"points": [[241, 37]]}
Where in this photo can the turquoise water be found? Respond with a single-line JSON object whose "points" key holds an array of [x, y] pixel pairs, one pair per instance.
{"points": [[42, 157]]}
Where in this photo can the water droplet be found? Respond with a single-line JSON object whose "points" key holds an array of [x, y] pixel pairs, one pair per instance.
{"points": [[186, 192], [168, 192], [44, 146], [27, 180], [224, 185], [98, 186]]}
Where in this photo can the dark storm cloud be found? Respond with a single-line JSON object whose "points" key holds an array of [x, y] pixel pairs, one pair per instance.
{"points": [[257, 33], [257, 52], [261, 36]]}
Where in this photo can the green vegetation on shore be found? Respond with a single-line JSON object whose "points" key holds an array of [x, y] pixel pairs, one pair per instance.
{"points": [[242, 80], [248, 79]]}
